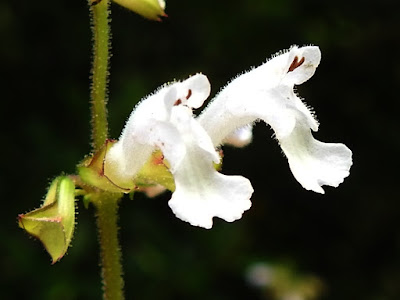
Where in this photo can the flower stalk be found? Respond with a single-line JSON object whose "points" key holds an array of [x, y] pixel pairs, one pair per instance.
{"points": [[106, 203], [110, 252], [101, 55]]}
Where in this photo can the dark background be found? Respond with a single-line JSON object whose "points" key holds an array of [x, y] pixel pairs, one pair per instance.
{"points": [[348, 238]]}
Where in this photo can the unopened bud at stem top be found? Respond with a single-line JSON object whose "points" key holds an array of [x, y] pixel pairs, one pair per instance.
{"points": [[150, 9]]}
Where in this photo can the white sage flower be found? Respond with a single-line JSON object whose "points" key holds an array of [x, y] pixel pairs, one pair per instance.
{"points": [[165, 121], [240, 137], [266, 93]]}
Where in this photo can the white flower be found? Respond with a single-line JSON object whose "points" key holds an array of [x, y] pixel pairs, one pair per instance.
{"points": [[267, 93], [240, 137], [165, 121]]}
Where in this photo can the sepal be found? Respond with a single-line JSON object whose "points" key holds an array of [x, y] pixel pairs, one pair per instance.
{"points": [[155, 171], [92, 173], [53, 223]]}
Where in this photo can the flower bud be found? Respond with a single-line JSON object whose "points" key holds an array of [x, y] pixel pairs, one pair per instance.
{"points": [[150, 9], [53, 223]]}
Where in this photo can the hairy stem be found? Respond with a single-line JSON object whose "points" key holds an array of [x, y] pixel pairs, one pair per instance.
{"points": [[101, 55], [110, 252], [106, 203]]}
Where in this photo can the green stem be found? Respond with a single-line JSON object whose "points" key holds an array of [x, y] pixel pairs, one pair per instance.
{"points": [[110, 252], [106, 203], [101, 54]]}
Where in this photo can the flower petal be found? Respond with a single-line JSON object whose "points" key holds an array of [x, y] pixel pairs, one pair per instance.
{"points": [[201, 192], [241, 137], [196, 90], [264, 93], [267, 93], [302, 63], [206, 194], [129, 154], [314, 163], [192, 132], [144, 132]]}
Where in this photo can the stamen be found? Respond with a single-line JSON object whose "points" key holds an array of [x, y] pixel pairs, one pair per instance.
{"points": [[189, 94], [158, 159], [179, 101], [296, 63]]}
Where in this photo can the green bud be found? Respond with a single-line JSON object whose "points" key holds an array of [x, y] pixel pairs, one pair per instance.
{"points": [[150, 9], [53, 223]]}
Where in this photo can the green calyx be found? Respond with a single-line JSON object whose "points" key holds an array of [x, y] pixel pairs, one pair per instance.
{"points": [[150, 9], [53, 223], [91, 171], [155, 171]]}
